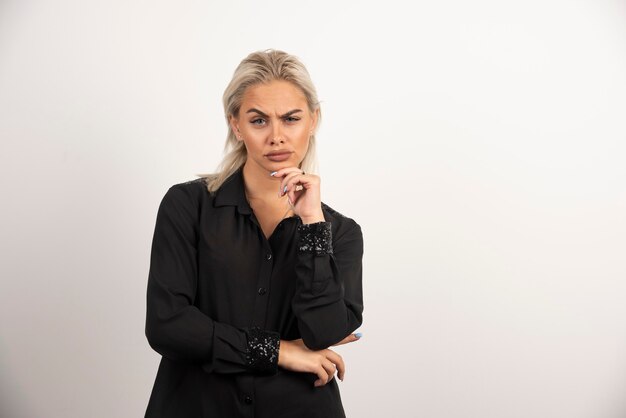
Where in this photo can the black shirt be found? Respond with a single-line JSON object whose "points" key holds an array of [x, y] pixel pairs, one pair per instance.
{"points": [[220, 295]]}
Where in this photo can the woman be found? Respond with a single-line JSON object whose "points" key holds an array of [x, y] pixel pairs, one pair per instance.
{"points": [[252, 277]]}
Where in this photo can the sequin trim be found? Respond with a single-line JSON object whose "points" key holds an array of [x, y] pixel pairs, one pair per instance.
{"points": [[262, 350], [194, 181], [315, 238]]}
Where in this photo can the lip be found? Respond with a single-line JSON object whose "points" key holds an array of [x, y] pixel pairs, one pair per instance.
{"points": [[278, 156], [273, 153]]}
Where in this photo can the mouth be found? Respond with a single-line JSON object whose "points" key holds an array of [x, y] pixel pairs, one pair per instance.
{"points": [[278, 155]]}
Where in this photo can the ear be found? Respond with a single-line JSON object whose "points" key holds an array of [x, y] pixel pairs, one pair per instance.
{"points": [[234, 125], [316, 116]]}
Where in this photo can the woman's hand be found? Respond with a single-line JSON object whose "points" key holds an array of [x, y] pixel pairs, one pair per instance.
{"points": [[303, 192], [348, 339], [296, 356]]}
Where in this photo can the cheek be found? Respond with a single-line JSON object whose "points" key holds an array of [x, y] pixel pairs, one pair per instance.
{"points": [[300, 132], [254, 143], [303, 144]]}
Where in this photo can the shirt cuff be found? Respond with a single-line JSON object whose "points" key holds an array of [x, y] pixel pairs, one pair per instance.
{"points": [[262, 350], [315, 238]]}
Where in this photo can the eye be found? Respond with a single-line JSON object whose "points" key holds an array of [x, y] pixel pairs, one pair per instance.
{"points": [[291, 119], [254, 122]]}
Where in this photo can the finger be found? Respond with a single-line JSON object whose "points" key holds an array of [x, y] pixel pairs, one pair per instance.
{"points": [[284, 170], [295, 191], [303, 182], [287, 181], [323, 376], [281, 174], [338, 361], [350, 338], [283, 183], [296, 186], [330, 369]]}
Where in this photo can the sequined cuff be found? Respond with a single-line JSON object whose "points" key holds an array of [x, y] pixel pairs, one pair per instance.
{"points": [[315, 238], [262, 350]]}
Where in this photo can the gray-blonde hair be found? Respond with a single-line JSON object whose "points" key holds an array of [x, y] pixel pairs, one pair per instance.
{"points": [[262, 67]]}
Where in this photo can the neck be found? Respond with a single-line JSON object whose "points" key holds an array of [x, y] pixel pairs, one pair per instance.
{"points": [[260, 186]]}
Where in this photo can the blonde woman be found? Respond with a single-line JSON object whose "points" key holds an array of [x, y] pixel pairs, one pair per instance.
{"points": [[252, 277]]}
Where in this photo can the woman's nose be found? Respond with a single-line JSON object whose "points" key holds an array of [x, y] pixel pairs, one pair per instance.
{"points": [[277, 134]]}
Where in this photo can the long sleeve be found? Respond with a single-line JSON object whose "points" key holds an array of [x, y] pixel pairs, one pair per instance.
{"points": [[328, 302], [177, 329]]}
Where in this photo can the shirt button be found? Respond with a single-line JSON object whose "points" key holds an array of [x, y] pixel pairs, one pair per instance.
{"points": [[248, 400], [268, 256], [262, 290]]}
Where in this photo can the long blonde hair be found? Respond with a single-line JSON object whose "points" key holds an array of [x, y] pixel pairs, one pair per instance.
{"points": [[262, 67]]}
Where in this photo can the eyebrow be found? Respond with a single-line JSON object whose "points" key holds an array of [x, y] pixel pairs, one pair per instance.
{"points": [[291, 112]]}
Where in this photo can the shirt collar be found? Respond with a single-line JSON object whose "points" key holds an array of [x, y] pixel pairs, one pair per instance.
{"points": [[232, 193]]}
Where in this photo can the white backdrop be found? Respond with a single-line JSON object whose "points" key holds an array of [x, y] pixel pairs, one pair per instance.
{"points": [[480, 145]]}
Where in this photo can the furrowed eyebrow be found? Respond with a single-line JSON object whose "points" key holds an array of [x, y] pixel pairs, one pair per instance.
{"points": [[291, 112], [253, 110]]}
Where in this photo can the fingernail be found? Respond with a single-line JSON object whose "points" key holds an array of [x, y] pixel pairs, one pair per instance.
{"points": [[273, 172], [285, 189], [358, 335]]}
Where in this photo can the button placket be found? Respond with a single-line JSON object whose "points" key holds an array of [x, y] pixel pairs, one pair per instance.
{"points": [[262, 287]]}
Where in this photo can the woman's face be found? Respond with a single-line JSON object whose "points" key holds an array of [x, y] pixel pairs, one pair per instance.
{"points": [[274, 117]]}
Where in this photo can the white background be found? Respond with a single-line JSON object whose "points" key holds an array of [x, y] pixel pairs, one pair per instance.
{"points": [[479, 144]]}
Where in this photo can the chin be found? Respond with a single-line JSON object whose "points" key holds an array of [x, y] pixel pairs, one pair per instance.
{"points": [[280, 164]]}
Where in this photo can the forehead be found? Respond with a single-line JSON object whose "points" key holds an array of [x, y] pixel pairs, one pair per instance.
{"points": [[276, 95]]}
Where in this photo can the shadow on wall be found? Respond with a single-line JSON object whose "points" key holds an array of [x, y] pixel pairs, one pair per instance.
{"points": [[13, 400]]}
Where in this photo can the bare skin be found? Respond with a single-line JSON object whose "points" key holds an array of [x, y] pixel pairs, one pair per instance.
{"points": [[276, 117], [295, 356]]}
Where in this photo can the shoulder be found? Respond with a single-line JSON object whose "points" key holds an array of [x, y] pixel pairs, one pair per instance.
{"points": [[343, 227], [189, 186], [185, 195]]}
